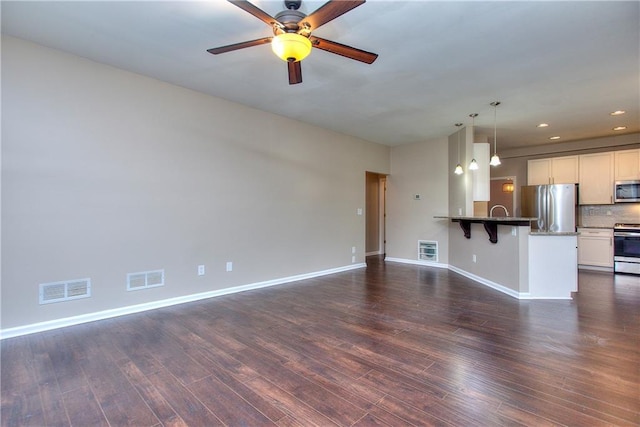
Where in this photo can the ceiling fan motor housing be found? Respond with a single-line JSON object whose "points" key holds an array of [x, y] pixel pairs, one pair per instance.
{"points": [[292, 4], [289, 19]]}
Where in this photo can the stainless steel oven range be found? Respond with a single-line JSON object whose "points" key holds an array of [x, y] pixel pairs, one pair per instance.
{"points": [[626, 248]]}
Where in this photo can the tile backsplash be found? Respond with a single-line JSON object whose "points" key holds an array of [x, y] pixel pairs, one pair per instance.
{"points": [[607, 216]]}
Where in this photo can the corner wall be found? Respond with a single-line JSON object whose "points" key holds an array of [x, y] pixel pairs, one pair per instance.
{"points": [[422, 169], [106, 172]]}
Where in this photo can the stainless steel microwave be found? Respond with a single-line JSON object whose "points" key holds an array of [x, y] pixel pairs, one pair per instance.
{"points": [[627, 191]]}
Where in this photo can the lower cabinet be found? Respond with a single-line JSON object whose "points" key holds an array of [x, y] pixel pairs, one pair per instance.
{"points": [[595, 247]]}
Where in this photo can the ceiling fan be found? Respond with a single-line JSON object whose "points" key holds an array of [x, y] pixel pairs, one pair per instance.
{"points": [[292, 40]]}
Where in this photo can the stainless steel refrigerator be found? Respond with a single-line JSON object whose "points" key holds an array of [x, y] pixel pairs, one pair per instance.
{"points": [[554, 206]]}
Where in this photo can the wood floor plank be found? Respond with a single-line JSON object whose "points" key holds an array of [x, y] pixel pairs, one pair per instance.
{"points": [[301, 387], [299, 413], [52, 401], [20, 400], [228, 406], [121, 404], [151, 395], [186, 405], [390, 344], [83, 408]]}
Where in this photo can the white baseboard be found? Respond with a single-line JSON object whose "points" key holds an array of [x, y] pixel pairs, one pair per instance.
{"points": [[417, 262], [475, 278], [489, 283], [107, 314]]}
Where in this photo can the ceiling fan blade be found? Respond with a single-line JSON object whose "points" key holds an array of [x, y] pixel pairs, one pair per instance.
{"points": [[344, 50], [255, 11], [328, 12], [295, 72], [236, 46]]}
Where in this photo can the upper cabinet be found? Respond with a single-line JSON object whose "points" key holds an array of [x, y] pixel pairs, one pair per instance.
{"points": [[596, 178], [556, 170], [627, 165]]}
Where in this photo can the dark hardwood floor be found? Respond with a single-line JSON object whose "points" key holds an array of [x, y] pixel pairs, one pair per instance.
{"points": [[391, 344]]}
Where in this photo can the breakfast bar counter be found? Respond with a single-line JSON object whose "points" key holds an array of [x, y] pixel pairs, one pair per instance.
{"points": [[515, 260]]}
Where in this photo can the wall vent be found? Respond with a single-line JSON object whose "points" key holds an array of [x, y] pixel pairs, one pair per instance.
{"points": [[64, 291], [428, 250], [145, 280]]}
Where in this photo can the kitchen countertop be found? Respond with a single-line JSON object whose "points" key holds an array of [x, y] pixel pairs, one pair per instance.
{"points": [[490, 223], [554, 233], [487, 218]]}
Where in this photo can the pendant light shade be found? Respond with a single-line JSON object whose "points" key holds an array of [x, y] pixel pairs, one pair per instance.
{"points": [[495, 160], [291, 47], [458, 170], [473, 166]]}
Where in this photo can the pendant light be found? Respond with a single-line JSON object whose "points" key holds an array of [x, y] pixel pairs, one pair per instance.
{"points": [[495, 160], [473, 166], [458, 170]]}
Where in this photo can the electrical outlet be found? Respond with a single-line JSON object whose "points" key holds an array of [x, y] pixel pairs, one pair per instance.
{"points": [[514, 231], [201, 270], [229, 266], [353, 259], [474, 258], [353, 249]]}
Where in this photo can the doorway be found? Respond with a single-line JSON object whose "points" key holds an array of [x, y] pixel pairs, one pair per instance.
{"points": [[503, 192], [375, 204]]}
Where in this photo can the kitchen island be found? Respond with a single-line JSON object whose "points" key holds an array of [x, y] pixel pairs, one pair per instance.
{"points": [[516, 261]]}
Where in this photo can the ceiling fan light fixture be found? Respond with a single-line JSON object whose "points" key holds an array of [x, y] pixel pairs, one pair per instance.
{"points": [[291, 47]]}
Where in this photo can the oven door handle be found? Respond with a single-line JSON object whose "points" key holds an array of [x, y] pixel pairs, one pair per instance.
{"points": [[624, 234]]}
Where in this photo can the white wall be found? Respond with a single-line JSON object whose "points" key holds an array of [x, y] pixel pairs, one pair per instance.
{"points": [[105, 172], [422, 169]]}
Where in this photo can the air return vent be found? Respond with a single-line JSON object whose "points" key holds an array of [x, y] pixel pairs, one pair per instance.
{"points": [[145, 279], [65, 291], [428, 250]]}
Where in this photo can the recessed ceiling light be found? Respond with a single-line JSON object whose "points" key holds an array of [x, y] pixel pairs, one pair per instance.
{"points": [[617, 112], [554, 137], [543, 125], [619, 128]]}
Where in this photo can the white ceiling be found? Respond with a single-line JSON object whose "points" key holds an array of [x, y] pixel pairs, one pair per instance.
{"points": [[565, 63]]}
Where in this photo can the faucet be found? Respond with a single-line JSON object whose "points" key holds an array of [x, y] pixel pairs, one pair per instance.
{"points": [[498, 206]]}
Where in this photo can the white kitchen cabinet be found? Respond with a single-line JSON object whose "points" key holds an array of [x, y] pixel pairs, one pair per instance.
{"points": [[555, 170], [627, 165], [595, 247], [596, 179]]}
